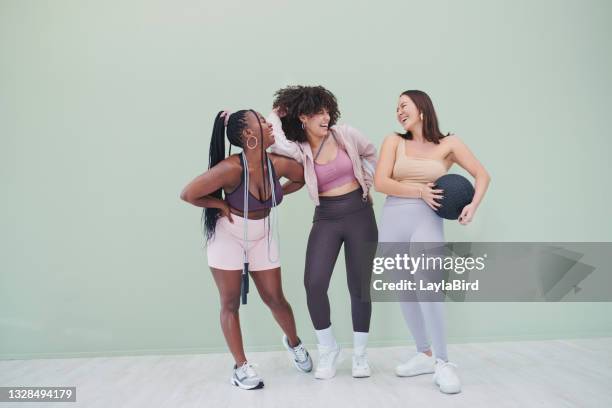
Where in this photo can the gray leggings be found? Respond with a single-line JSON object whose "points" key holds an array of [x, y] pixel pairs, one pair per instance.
{"points": [[412, 220], [348, 220]]}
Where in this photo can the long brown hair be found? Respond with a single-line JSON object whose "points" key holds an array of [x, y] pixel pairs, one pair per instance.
{"points": [[431, 130]]}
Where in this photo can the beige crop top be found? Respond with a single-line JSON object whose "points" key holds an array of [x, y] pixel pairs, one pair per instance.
{"points": [[416, 169]]}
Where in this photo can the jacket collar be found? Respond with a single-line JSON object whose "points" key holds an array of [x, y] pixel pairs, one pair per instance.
{"points": [[307, 150]]}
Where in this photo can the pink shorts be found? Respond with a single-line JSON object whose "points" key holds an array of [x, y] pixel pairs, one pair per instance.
{"points": [[226, 248]]}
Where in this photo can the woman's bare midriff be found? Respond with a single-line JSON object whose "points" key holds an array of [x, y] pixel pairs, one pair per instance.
{"points": [[343, 189], [253, 215]]}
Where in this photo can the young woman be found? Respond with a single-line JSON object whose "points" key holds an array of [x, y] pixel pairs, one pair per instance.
{"points": [[238, 229], [409, 164], [335, 160]]}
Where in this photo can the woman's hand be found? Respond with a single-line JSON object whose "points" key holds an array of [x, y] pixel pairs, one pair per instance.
{"points": [[467, 214], [430, 195], [280, 111], [224, 211]]}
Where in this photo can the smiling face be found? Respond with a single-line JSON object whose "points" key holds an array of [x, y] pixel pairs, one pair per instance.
{"points": [[316, 125], [253, 129], [408, 114]]}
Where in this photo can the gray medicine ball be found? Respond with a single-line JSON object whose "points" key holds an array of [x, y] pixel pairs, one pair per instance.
{"points": [[457, 192]]}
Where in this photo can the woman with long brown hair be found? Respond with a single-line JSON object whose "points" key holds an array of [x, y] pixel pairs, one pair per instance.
{"points": [[408, 165]]}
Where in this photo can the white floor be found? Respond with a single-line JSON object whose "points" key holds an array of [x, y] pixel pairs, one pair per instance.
{"points": [[559, 373]]}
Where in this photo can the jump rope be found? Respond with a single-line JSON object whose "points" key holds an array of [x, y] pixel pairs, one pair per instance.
{"points": [[272, 219], [272, 225]]}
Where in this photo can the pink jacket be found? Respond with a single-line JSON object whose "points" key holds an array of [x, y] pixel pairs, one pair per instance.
{"points": [[359, 149]]}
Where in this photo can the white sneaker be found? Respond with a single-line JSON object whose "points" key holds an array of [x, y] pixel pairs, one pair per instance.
{"points": [[421, 363], [446, 377], [246, 378], [299, 355], [328, 358], [361, 368]]}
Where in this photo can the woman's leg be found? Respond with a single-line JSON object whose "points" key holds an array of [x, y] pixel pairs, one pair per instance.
{"points": [[228, 284], [398, 223], [426, 235], [413, 316], [360, 237], [324, 244], [323, 248], [269, 286]]}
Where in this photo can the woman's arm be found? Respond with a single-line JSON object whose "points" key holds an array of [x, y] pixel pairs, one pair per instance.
{"points": [[384, 183], [291, 187], [461, 155], [281, 145], [365, 148], [291, 170], [197, 192]]}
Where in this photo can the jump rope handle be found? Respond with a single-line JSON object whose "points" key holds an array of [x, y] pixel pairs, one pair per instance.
{"points": [[244, 286]]}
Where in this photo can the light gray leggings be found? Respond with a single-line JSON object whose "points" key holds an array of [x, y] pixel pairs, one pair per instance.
{"points": [[412, 220]]}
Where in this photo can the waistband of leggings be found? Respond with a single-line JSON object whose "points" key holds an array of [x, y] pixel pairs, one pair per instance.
{"points": [[353, 195], [393, 200], [340, 206]]}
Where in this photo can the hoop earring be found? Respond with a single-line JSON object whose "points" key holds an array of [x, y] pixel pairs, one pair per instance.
{"points": [[421, 116], [248, 145], [302, 125]]}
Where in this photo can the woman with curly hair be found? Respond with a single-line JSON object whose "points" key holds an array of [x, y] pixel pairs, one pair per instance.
{"points": [[237, 226], [338, 165]]}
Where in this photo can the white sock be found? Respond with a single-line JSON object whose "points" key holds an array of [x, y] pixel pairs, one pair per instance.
{"points": [[326, 337], [360, 341]]}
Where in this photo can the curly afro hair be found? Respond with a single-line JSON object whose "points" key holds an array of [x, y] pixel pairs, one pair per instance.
{"points": [[298, 100]]}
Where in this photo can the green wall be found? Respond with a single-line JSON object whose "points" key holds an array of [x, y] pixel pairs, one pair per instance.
{"points": [[106, 110]]}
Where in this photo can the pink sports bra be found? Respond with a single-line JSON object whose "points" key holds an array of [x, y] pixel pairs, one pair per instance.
{"points": [[335, 173]]}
